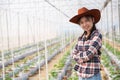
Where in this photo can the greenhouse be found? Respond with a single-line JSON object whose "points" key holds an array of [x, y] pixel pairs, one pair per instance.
{"points": [[37, 39]]}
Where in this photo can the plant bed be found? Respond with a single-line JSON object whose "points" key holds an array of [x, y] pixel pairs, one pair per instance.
{"points": [[114, 60], [37, 67], [33, 68], [64, 72], [25, 47], [112, 71], [62, 69], [112, 49], [33, 71], [17, 77], [24, 55]]}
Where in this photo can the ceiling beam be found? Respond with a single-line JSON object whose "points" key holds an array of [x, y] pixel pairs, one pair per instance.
{"points": [[105, 4]]}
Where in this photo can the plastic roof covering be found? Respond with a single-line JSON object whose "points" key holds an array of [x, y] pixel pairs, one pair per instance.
{"points": [[69, 7]]}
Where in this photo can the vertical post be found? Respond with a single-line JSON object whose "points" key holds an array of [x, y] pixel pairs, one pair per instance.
{"points": [[28, 23], [104, 25], [18, 29], [2, 54], [113, 31], [107, 21], [45, 41], [118, 1]]}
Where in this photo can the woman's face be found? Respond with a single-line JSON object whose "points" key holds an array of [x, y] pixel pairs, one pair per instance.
{"points": [[86, 23]]}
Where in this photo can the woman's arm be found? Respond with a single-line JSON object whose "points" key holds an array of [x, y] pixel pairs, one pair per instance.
{"points": [[95, 45], [75, 51]]}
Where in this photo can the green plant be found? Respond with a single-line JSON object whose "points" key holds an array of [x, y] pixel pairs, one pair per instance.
{"points": [[116, 77], [16, 75], [62, 61], [25, 60], [51, 77], [26, 68], [7, 77], [54, 73], [74, 76]]}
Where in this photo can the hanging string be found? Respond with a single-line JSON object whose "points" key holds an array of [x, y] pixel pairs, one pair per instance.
{"points": [[45, 40], [18, 29], [10, 48], [37, 35], [2, 47], [28, 25]]}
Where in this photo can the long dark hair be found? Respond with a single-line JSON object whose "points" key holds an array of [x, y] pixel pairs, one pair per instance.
{"points": [[93, 28]]}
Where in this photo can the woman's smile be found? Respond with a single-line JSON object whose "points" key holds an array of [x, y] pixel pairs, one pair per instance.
{"points": [[86, 23]]}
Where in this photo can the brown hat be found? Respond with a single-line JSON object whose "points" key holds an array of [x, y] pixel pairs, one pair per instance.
{"points": [[84, 11]]}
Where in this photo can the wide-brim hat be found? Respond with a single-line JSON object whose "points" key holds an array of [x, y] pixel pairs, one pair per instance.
{"points": [[83, 12]]}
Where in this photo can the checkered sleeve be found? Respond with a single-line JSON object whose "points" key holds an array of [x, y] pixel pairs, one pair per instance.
{"points": [[95, 45], [75, 51]]}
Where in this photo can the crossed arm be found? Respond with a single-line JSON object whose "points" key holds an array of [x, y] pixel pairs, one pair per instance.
{"points": [[95, 44]]}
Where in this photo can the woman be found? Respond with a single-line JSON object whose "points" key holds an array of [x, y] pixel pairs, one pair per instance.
{"points": [[87, 50]]}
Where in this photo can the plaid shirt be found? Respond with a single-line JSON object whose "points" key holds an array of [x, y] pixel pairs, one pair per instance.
{"points": [[86, 55]]}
